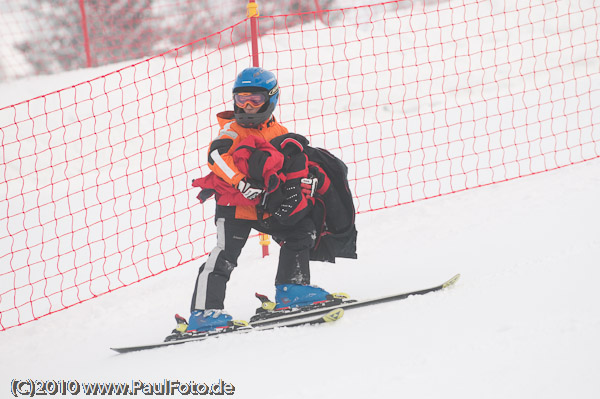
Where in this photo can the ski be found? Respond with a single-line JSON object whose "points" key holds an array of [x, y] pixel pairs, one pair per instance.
{"points": [[265, 318], [176, 339]]}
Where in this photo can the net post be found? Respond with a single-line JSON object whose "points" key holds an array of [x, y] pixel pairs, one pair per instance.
{"points": [[86, 37], [253, 15], [264, 242]]}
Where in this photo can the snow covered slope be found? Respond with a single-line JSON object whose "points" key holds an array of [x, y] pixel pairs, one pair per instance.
{"points": [[522, 322]]}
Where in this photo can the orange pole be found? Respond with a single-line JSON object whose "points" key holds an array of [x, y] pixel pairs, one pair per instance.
{"points": [[253, 15], [264, 242]]}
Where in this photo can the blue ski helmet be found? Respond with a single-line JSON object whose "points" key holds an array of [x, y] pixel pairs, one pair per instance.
{"points": [[256, 80]]}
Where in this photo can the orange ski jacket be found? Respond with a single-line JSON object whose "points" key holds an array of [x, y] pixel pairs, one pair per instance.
{"points": [[220, 153]]}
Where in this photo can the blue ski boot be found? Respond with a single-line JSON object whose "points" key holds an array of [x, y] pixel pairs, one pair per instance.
{"points": [[294, 295], [207, 320]]}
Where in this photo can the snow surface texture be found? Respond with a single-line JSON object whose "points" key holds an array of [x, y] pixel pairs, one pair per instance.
{"points": [[522, 322]]}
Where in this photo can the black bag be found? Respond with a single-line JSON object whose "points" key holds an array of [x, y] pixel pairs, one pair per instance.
{"points": [[338, 231], [334, 212]]}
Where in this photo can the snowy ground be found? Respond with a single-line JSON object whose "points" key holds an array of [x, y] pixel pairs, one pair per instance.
{"points": [[522, 322]]}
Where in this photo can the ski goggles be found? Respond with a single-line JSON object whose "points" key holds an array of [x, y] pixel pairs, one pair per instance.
{"points": [[254, 99]]}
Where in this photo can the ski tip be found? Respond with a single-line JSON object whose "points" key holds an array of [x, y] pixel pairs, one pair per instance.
{"points": [[123, 350], [129, 349], [333, 315], [451, 281]]}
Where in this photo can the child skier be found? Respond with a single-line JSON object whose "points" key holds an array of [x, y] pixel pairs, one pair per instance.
{"points": [[262, 188]]}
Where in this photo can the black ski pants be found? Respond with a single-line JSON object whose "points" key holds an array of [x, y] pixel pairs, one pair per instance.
{"points": [[232, 234]]}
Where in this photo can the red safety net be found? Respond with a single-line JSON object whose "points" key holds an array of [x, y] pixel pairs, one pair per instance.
{"points": [[419, 99], [44, 37]]}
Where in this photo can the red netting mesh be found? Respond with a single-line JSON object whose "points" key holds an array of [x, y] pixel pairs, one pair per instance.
{"points": [[50, 36], [420, 100]]}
